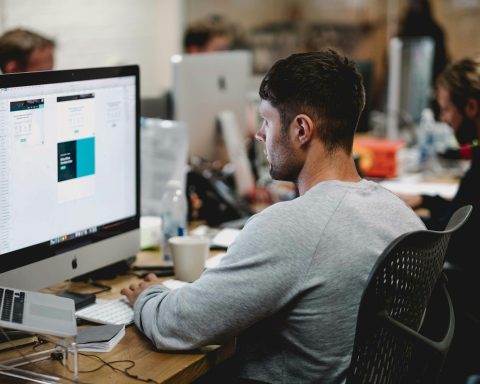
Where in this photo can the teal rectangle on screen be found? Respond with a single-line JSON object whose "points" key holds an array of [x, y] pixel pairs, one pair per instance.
{"points": [[86, 157]]}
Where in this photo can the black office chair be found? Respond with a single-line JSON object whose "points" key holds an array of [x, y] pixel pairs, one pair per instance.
{"points": [[405, 321]]}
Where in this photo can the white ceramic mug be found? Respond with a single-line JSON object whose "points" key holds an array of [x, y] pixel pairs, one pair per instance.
{"points": [[189, 254]]}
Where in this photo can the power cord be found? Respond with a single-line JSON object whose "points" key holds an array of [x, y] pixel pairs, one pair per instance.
{"points": [[111, 365]]}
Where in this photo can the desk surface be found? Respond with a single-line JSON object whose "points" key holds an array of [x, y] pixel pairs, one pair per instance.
{"points": [[149, 363], [416, 184]]}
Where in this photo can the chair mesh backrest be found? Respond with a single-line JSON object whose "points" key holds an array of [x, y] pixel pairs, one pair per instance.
{"points": [[399, 287], [401, 284]]}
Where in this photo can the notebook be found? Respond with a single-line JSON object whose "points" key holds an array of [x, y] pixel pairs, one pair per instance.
{"points": [[101, 338], [37, 312]]}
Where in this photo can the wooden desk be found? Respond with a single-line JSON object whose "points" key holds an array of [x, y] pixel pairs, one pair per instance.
{"points": [[162, 367]]}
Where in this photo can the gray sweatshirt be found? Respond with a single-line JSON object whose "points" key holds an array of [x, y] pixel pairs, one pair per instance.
{"points": [[289, 286]]}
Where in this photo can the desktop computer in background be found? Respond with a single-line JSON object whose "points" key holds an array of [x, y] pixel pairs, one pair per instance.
{"points": [[210, 95], [69, 173], [204, 86], [410, 71]]}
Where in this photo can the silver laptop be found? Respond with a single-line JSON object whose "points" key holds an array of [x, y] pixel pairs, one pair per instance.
{"points": [[37, 312]]}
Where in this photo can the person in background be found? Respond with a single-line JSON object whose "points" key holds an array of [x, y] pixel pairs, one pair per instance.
{"points": [[207, 36], [458, 95], [418, 21], [290, 285], [25, 51]]}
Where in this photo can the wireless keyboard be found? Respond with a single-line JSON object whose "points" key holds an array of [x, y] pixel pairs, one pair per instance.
{"points": [[116, 311]]}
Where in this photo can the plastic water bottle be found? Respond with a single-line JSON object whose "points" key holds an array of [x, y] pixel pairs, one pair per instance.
{"points": [[427, 154], [173, 214]]}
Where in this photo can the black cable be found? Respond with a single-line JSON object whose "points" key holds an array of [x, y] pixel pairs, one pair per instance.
{"points": [[110, 365], [126, 371]]}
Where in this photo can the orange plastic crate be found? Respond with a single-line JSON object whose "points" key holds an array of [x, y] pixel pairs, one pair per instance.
{"points": [[377, 157]]}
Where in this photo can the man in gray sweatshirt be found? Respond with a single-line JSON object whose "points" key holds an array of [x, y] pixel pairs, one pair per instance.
{"points": [[290, 285]]}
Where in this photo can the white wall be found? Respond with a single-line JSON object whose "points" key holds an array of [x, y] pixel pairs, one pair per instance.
{"points": [[92, 33]]}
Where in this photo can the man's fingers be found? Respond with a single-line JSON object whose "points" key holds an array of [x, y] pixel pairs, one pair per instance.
{"points": [[128, 293], [133, 286], [134, 289], [151, 277]]}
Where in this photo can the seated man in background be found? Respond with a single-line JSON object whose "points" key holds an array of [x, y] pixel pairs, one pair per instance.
{"points": [[206, 36], [25, 51], [458, 95], [200, 37], [290, 285]]}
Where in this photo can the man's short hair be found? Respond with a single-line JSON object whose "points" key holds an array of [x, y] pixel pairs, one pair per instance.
{"points": [[325, 86], [462, 81], [18, 44]]}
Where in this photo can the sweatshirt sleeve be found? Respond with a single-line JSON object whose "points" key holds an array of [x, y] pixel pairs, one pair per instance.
{"points": [[255, 278]]}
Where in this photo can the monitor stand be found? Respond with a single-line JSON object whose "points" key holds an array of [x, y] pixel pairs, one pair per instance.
{"points": [[237, 152], [108, 272]]}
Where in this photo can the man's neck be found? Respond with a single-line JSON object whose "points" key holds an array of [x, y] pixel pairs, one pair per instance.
{"points": [[337, 166]]}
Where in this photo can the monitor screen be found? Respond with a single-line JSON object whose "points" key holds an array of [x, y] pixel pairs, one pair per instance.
{"points": [[69, 173]]}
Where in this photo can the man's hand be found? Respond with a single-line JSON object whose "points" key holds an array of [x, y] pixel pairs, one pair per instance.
{"points": [[414, 201], [134, 290]]}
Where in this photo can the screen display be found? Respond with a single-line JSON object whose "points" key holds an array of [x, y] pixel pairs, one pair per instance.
{"points": [[68, 168]]}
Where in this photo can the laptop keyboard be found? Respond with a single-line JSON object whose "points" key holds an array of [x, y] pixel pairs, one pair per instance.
{"points": [[12, 304]]}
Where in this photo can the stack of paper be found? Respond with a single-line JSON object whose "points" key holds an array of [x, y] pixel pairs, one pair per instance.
{"points": [[225, 237], [213, 261], [174, 284], [101, 338]]}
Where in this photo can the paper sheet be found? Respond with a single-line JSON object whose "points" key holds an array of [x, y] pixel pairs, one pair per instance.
{"points": [[413, 184]]}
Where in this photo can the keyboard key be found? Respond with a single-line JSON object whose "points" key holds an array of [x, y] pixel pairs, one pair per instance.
{"points": [[18, 305], [7, 305]]}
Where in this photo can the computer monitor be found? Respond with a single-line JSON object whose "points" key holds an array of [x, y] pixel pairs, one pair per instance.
{"points": [[204, 86], [69, 173], [410, 72]]}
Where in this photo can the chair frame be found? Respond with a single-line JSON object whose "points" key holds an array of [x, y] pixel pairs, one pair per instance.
{"points": [[399, 338]]}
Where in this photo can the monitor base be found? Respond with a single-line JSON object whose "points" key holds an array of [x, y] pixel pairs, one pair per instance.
{"points": [[108, 272]]}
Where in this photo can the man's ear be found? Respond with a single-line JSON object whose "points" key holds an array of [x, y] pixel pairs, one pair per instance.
{"points": [[12, 66], [472, 108], [304, 129]]}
